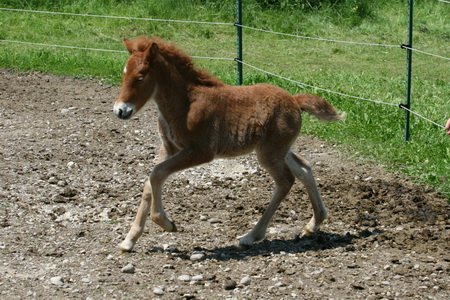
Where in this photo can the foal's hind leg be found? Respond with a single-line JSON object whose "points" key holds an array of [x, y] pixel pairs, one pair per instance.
{"points": [[284, 180], [302, 170]]}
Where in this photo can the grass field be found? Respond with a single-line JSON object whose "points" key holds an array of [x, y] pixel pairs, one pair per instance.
{"points": [[371, 131]]}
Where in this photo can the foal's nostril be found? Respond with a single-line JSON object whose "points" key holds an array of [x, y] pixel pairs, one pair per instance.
{"points": [[123, 110]]}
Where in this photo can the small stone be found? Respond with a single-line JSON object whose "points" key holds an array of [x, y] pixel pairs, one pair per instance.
{"points": [[58, 210], [245, 280], [197, 278], [128, 269], [59, 199], [57, 280], [86, 280], [197, 256], [214, 221], [169, 248], [70, 164], [229, 284], [104, 215], [203, 218], [168, 267], [158, 290], [61, 183], [184, 278], [357, 286], [52, 180]]}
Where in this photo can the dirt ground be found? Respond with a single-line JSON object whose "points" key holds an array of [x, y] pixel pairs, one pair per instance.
{"points": [[71, 176]]}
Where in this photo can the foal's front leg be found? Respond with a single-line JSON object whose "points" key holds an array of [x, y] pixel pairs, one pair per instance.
{"points": [[151, 198], [139, 222], [184, 159]]}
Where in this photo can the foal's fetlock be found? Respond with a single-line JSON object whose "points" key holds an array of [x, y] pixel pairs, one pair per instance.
{"points": [[132, 236]]}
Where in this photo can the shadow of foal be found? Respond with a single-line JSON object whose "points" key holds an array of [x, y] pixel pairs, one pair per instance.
{"points": [[201, 118]]}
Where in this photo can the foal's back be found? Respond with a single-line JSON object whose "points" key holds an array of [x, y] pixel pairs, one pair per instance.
{"points": [[238, 119]]}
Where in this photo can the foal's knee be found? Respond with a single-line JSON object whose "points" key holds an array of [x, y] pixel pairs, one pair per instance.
{"points": [[157, 176], [147, 188]]}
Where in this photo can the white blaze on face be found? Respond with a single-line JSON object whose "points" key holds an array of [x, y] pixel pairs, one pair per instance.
{"points": [[125, 70]]}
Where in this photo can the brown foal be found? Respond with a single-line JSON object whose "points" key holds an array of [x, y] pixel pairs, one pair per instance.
{"points": [[201, 118]]}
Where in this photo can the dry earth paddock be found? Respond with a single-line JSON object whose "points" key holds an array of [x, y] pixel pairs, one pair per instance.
{"points": [[71, 176]]}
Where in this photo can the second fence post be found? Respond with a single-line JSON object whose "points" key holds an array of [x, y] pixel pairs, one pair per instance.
{"points": [[238, 25]]}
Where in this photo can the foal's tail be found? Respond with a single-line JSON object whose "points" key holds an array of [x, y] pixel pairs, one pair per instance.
{"points": [[318, 107]]}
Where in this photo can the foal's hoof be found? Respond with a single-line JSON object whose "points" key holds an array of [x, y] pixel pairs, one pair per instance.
{"points": [[307, 232], [126, 246], [248, 240], [172, 228]]}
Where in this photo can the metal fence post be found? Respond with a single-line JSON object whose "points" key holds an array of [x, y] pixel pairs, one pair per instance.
{"points": [[408, 71], [238, 25]]}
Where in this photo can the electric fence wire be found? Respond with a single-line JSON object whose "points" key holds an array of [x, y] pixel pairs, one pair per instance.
{"points": [[318, 38], [424, 52], [198, 22], [422, 117], [114, 17], [304, 85], [97, 49]]}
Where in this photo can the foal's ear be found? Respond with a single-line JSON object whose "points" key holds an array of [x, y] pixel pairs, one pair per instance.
{"points": [[129, 45], [151, 52]]}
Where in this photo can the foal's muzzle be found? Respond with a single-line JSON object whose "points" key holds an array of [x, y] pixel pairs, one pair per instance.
{"points": [[123, 110]]}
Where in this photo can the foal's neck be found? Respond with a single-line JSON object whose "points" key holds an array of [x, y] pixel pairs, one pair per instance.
{"points": [[172, 96]]}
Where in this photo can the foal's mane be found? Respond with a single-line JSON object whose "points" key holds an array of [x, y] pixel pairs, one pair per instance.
{"points": [[181, 61]]}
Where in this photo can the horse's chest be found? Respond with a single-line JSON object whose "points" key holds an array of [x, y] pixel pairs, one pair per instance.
{"points": [[170, 133]]}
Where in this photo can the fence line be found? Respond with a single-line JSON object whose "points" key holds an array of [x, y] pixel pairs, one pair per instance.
{"points": [[424, 52], [319, 38], [114, 17], [301, 84], [422, 117], [98, 49], [304, 85]]}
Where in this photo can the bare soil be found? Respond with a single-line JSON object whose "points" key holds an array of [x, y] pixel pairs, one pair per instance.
{"points": [[71, 176]]}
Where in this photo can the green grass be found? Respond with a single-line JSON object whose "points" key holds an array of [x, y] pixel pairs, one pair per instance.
{"points": [[371, 131]]}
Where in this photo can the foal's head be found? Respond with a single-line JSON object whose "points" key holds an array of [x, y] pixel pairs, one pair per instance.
{"points": [[138, 79]]}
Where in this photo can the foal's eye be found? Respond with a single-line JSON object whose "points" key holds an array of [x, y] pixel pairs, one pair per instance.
{"points": [[140, 79]]}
